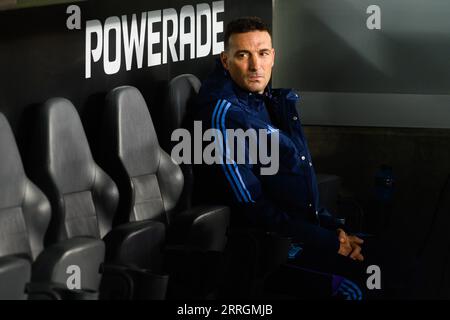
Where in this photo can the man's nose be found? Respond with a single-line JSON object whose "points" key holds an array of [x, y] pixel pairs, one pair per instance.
{"points": [[254, 64]]}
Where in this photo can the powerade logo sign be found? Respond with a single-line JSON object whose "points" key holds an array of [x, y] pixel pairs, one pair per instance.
{"points": [[129, 41]]}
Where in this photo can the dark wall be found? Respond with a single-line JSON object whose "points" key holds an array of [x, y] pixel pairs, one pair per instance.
{"points": [[40, 58], [419, 159], [373, 97]]}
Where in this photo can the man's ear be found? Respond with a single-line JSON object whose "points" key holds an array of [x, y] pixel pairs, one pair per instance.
{"points": [[224, 59]]}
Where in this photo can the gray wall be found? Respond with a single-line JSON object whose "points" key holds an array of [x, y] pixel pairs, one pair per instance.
{"points": [[398, 76], [373, 97]]}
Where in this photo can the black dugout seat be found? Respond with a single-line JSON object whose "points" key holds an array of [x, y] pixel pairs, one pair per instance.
{"points": [[22, 225], [84, 201], [24, 218], [181, 92], [150, 184]]}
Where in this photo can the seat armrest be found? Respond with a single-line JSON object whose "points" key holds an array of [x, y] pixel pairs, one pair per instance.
{"points": [[15, 272], [85, 253], [125, 244], [202, 227], [137, 283], [41, 291]]}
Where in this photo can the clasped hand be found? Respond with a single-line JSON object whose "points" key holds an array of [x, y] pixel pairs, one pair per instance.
{"points": [[350, 245]]}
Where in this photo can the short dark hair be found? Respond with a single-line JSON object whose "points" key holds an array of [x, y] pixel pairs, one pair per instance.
{"points": [[243, 25]]}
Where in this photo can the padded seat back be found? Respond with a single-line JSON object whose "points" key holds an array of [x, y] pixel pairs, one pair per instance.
{"points": [[181, 95], [24, 210], [132, 152], [83, 197], [24, 217]]}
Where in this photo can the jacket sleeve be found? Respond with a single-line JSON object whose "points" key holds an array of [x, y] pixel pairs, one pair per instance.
{"points": [[248, 194]]}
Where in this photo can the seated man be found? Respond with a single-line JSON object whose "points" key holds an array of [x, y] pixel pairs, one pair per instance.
{"points": [[237, 96]]}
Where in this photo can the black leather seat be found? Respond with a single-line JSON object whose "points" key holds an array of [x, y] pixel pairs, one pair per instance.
{"points": [[150, 184], [15, 273], [181, 93], [84, 201], [24, 218], [17, 221]]}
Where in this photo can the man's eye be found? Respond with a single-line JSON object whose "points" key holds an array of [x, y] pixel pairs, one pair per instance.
{"points": [[242, 55]]}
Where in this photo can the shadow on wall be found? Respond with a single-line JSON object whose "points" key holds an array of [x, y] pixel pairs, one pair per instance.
{"points": [[325, 53], [333, 50], [420, 159]]}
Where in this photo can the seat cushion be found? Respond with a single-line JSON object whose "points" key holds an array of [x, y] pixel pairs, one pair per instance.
{"points": [[53, 263], [15, 272]]}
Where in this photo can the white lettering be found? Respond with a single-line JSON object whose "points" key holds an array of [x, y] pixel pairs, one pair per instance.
{"points": [[374, 281], [112, 66], [181, 31], [93, 27], [187, 38], [217, 26], [154, 59], [74, 20], [238, 146], [134, 41], [203, 10], [74, 280], [170, 15], [374, 21]]}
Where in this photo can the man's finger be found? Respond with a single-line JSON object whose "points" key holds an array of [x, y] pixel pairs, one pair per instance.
{"points": [[360, 257], [342, 236], [356, 254], [345, 250], [357, 239]]}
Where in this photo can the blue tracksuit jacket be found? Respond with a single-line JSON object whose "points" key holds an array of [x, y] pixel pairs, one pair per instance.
{"points": [[286, 202]]}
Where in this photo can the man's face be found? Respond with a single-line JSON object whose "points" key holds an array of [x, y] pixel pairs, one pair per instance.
{"points": [[249, 60]]}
